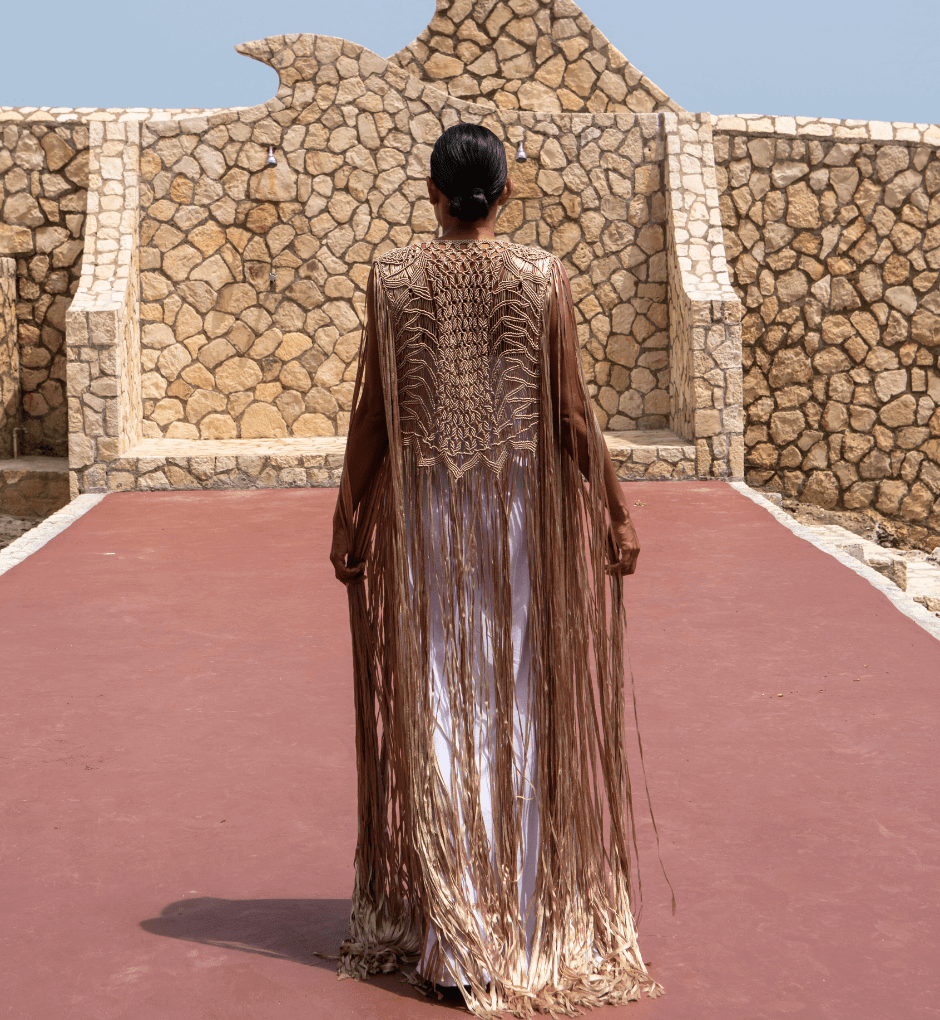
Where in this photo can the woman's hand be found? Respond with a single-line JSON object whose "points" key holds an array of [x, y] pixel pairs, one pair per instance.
{"points": [[624, 539], [338, 553]]}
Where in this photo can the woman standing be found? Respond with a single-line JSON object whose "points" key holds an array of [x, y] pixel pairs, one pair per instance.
{"points": [[482, 535]]}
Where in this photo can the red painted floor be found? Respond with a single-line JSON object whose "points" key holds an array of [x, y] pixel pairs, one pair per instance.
{"points": [[177, 788]]}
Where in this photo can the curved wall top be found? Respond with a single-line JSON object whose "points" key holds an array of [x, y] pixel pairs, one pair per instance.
{"points": [[530, 55], [540, 55]]}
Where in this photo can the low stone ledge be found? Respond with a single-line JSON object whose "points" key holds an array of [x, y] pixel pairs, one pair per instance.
{"points": [[289, 463], [33, 486], [651, 455], [228, 464]]}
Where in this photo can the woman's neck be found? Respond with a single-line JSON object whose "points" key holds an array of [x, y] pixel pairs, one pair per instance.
{"points": [[468, 232]]}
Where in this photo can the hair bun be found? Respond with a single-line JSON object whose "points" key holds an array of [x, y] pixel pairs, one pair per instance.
{"points": [[471, 205]]}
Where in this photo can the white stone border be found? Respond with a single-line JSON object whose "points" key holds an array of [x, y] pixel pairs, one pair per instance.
{"points": [[37, 537], [901, 600], [826, 127], [53, 525], [89, 114]]}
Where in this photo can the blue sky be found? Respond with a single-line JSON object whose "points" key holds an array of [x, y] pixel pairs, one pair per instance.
{"points": [[829, 58]]}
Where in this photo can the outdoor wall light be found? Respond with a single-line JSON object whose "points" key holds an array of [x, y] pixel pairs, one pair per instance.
{"points": [[521, 157], [270, 161]]}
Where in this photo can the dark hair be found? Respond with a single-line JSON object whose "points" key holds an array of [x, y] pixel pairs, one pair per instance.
{"points": [[468, 164]]}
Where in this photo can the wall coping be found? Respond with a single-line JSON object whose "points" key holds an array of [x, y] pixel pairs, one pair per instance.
{"points": [[329, 445], [826, 127]]}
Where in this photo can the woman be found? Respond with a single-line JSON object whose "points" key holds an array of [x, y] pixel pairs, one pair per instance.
{"points": [[484, 580]]}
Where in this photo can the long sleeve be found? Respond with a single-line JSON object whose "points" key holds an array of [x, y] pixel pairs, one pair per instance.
{"points": [[368, 436], [366, 447], [568, 396]]}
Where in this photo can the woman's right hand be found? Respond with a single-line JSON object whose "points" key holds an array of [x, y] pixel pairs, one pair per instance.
{"points": [[627, 544], [338, 553]]}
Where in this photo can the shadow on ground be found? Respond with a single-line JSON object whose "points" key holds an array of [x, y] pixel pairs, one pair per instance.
{"points": [[302, 931], [295, 930]]}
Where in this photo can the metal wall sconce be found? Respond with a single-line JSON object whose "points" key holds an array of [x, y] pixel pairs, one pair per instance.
{"points": [[521, 157], [272, 278], [270, 161]]}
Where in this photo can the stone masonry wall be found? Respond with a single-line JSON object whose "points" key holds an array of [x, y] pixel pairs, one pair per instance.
{"points": [[221, 300], [529, 55], [9, 358], [213, 337], [104, 320], [228, 352], [705, 314], [833, 235], [43, 177]]}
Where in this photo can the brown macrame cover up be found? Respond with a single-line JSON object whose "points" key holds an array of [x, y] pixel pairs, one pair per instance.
{"points": [[470, 389]]}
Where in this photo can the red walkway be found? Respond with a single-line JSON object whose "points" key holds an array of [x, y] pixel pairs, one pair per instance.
{"points": [[177, 784]]}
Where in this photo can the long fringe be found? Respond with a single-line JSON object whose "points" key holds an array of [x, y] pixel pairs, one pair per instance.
{"points": [[436, 547]]}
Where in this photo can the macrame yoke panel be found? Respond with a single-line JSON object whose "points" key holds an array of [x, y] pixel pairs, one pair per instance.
{"points": [[467, 320]]}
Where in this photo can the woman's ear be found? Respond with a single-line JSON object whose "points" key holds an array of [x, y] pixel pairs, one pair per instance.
{"points": [[507, 191]]}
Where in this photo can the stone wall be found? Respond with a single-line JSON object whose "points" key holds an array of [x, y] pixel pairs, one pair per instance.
{"points": [[104, 320], [213, 337], [228, 352], [833, 236], [529, 55], [705, 315], [9, 358], [43, 176]]}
